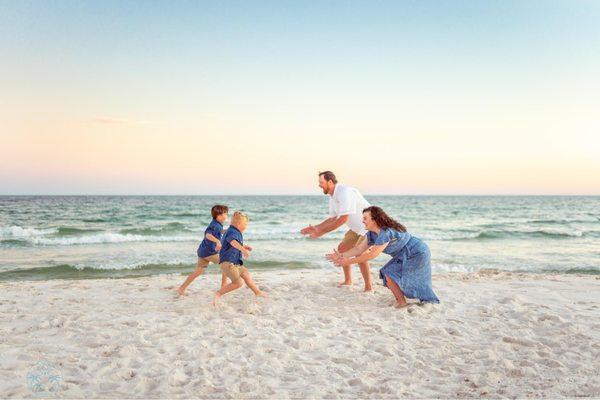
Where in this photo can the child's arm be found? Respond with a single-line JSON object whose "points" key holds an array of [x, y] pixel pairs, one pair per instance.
{"points": [[234, 243], [212, 238]]}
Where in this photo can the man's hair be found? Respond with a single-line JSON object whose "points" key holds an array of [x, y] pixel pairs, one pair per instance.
{"points": [[218, 210], [328, 176]]}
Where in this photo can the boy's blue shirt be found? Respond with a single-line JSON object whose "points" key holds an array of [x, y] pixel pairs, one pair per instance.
{"points": [[228, 252], [208, 248]]}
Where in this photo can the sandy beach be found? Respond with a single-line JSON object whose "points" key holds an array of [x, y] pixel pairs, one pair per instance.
{"points": [[495, 334]]}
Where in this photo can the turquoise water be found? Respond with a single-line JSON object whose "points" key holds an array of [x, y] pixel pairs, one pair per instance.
{"points": [[47, 237]]}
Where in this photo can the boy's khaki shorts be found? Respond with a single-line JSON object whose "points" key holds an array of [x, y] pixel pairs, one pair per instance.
{"points": [[203, 262], [232, 271], [351, 239]]}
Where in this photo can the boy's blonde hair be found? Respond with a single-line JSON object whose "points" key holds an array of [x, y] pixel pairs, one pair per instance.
{"points": [[239, 216]]}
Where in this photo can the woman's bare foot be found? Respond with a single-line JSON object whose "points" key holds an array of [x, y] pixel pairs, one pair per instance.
{"points": [[345, 283], [181, 291], [400, 305], [216, 299]]}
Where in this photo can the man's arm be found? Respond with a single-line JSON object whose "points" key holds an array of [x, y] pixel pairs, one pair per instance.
{"points": [[324, 227], [329, 225]]}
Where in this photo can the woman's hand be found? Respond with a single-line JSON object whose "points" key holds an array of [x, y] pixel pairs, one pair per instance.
{"points": [[333, 257], [343, 262]]}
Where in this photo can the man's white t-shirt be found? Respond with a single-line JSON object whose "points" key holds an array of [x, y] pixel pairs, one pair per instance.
{"points": [[347, 200]]}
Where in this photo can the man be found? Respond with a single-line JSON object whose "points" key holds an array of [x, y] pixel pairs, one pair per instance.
{"points": [[345, 207]]}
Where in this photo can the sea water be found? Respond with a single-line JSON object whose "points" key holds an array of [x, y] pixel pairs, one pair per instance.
{"points": [[78, 237]]}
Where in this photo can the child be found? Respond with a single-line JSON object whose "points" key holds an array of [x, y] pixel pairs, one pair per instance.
{"points": [[231, 258], [208, 251]]}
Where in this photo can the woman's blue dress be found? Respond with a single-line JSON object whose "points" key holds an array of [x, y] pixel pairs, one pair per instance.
{"points": [[410, 266]]}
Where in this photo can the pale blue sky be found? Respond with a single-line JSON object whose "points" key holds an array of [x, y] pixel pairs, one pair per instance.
{"points": [[343, 71]]}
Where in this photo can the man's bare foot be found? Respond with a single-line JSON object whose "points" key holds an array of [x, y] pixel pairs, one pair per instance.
{"points": [[345, 283], [400, 305], [216, 298], [368, 289], [181, 291]]}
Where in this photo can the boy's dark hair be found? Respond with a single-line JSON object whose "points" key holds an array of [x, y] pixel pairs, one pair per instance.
{"points": [[328, 176], [218, 210]]}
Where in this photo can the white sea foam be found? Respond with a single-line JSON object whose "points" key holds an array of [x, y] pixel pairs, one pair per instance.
{"points": [[106, 237], [125, 265], [441, 268], [18, 232]]}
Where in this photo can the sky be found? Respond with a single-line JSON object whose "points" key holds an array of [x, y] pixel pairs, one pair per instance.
{"points": [[256, 97]]}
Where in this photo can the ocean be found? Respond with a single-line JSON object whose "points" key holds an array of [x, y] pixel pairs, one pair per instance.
{"points": [[79, 237]]}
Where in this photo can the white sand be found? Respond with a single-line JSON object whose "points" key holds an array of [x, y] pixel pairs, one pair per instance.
{"points": [[494, 335]]}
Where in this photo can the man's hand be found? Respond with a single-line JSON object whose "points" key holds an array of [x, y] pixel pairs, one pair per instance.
{"points": [[316, 232], [308, 230]]}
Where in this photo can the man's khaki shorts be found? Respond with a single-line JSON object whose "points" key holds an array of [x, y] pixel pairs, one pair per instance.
{"points": [[351, 239], [203, 262], [232, 271]]}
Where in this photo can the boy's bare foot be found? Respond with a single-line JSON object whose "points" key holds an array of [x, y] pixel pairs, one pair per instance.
{"points": [[345, 283], [400, 305], [216, 298], [261, 294]]}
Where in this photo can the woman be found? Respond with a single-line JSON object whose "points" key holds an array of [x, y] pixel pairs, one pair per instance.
{"points": [[408, 273]]}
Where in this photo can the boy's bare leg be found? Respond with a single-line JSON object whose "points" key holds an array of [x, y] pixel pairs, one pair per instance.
{"points": [[347, 269], [400, 299], [248, 279], [226, 289], [223, 280], [197, 272], [366, 274]]}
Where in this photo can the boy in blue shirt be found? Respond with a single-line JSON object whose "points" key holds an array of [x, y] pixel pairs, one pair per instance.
{"points": [[230, 257], [208, 251]]}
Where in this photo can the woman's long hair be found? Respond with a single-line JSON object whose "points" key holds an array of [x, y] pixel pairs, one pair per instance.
{"points": [[383, 220]]}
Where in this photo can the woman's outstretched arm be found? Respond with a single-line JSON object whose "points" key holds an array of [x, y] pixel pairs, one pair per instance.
{"points": [[369, 254], [356, 250]]}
